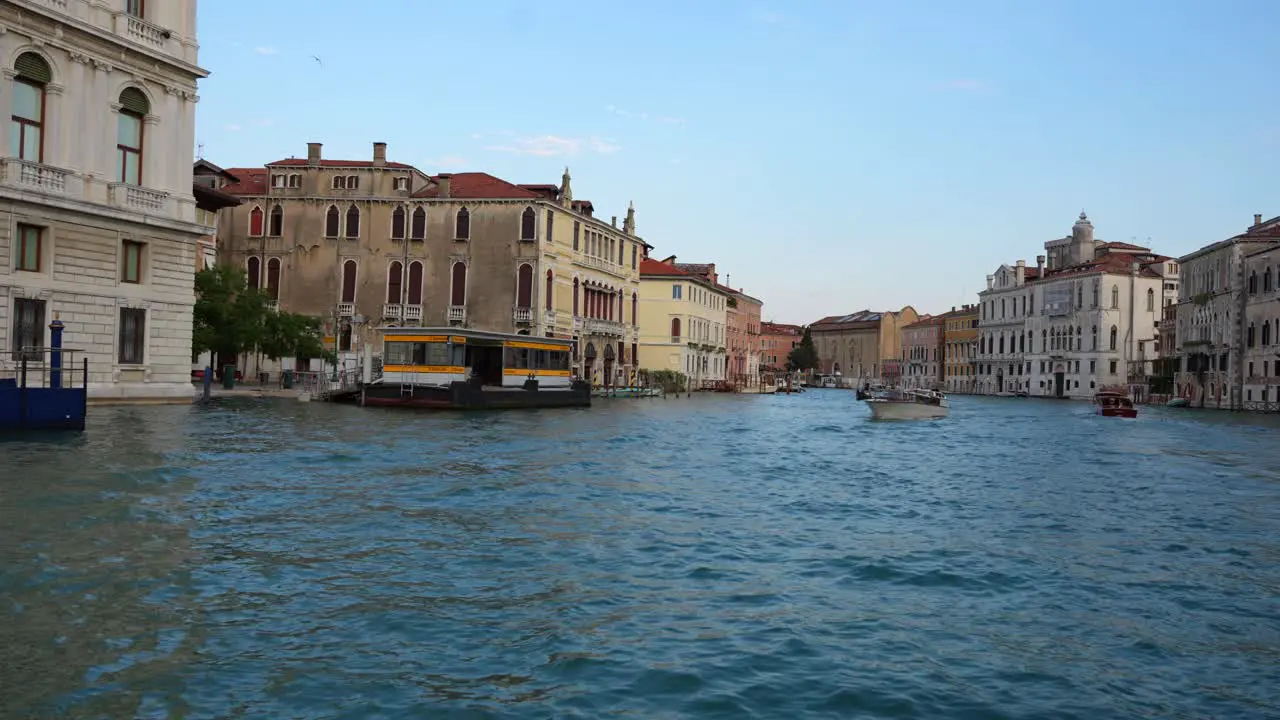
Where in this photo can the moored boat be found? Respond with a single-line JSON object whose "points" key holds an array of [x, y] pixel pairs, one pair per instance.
{"points": [[1178, 402], [1114, 403], [907, 405], [456, 369]]}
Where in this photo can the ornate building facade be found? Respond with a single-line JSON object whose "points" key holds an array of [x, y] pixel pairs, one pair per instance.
{"points": [[100, 226], [369, 243], [960, 347], [865, 345]]}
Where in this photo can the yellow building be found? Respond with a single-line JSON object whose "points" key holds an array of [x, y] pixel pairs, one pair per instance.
{"points": [[682, 322], [960, 345]]}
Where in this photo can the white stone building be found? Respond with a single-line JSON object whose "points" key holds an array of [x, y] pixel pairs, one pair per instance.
{"points": [[100, 222], [1004, 306], [1262, 328], [1211, 303]]}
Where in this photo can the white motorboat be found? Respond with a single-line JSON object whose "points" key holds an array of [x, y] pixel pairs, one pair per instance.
{"points": [[907, 405]]}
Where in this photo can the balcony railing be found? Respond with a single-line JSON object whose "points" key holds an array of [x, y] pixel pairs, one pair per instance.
{"points": [[392, 311], [603, 327], [346, 309], [549, 317], [140, 199], [413, 313], [523, 315], [141, 31], [34, 175], [578, 322], [457, 313]]}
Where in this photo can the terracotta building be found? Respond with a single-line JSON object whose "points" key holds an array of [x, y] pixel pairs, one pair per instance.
{"points": [[776, 342], [922, 353], [960, 347], [369, 243]]}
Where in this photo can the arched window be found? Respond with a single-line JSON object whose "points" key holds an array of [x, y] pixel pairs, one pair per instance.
{"points": [[418, 228], [1022, 346], [1151, 300], [332, 219], [134, 107], [397, 223], [348, 281], [1113, 337], [1079, 295], [395, 276], [458, 291], [1001, 343], [254, 268], [415, 283], [1253, 283], [1266, 333], [1095, 337], [26, 131], [524, 286], [1079, 337], [1044, 341], [273, 278], [1266, 279], [275, 228], [255, 222], [1097, 286], [528, 222], [462, 225], [635, 309], [575, 296], [1115, 296], [353, 222], [675, 330]]}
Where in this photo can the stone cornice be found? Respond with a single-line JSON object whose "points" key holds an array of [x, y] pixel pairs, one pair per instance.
{"points": [[110, 213]]}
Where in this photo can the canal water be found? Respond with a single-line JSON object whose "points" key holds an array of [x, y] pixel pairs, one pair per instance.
{"points": [[707, 557]]}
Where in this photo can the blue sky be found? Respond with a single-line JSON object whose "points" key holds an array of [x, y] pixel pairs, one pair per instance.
{"points": [[828, 156]]}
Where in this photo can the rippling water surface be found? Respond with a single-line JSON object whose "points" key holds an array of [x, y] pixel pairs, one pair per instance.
{"points": [[706, 557]]}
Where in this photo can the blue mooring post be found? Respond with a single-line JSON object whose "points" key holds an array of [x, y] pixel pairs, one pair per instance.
{"points": [[55, 353], [208, 383]]}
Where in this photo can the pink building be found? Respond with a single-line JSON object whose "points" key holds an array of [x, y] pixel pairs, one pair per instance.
{"points": [[776, 342], [742, 327], [922, 353]]}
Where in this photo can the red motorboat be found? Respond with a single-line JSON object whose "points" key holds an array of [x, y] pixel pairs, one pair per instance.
{"points": [[1114, 403]]}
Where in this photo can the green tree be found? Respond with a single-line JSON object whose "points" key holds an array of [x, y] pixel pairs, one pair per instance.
{"points": [[231, 318], [803, 356]]}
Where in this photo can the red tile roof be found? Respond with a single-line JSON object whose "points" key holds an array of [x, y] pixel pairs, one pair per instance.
{"points": [[659, 268], [252, 181], [1111, 263], [478, 186], [1122, 246], [302, 162], [769, 328], [926, 321]]}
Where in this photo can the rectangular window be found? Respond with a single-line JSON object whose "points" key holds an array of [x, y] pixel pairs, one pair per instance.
{"points": [[577, 228], [27, 126], [133, 335], [634, 250], [551, 217], [131, 262], [134, 7], [1113, 367], [30, 247], [129, 148], [28, 328], [675, 292], [1093, 367]]}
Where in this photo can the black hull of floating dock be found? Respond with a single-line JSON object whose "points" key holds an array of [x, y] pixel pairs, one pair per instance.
{"points": [[466, 396]]}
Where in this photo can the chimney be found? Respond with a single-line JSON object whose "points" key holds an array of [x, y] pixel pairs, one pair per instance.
{"points": [[313, 153], [443, 181], [379, 154], [1040, 266], [953, 308], [991, 279], [1020, 272], [614, 221], [1257, 219]]}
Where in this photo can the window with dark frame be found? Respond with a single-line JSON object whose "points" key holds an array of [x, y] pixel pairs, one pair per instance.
{"points": [[418, 227], [397, 223], [135, 8], [275, 228], [577, 230], [462, 225], [133, 336], [28, 329], [30, 248], [332, 221], [349, 281], [28, 107], [395, 278], [524, 286], [253, 273], [353, 222], [528, 224], [551, 216], [131, 262], [458, 289], [134, 107], [273, 278], [255, 222]]}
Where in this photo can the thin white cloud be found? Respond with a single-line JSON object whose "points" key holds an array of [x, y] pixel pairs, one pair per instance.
{"points": [[265, 122], [476, 136], [644, 116], [264, 50], [556, 145], [232, 128], [671, 120], [614, 109]]}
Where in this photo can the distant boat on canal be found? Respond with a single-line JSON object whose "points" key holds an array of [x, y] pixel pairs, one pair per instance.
{"points": [[459, 369], [907, 405], [1114, 403]]}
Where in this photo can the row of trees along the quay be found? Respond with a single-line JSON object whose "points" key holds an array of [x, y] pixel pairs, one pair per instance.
{"points": [[803, 356], [231, 318]]}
